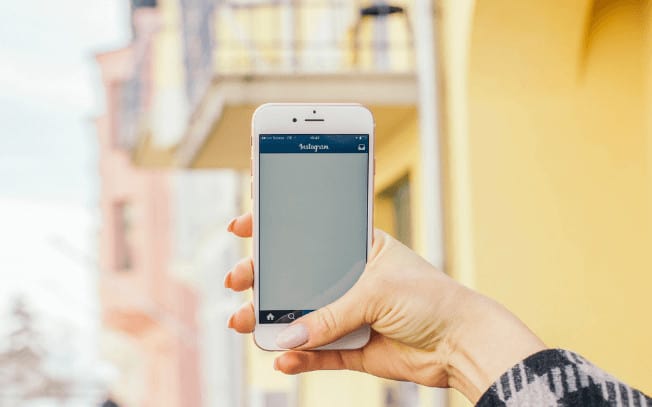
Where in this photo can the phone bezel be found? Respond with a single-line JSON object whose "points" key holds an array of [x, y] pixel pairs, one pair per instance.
{"points": [[338, 118]]}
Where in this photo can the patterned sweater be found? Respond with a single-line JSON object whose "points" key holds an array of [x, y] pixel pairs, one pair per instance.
{"points": [[558, 377]]}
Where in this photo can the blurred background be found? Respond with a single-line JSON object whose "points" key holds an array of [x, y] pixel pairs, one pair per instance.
{"points": [[514, 143]]}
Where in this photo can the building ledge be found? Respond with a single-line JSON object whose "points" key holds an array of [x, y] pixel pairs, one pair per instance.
{"points": [[218, 132], [218, 135]]}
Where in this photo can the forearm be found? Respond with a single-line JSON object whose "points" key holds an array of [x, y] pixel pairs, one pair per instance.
{"points": [[495, 360], [488, 341]]}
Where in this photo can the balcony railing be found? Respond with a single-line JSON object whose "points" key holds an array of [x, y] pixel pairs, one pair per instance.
{"points": [[293, 36], [312, 36]]}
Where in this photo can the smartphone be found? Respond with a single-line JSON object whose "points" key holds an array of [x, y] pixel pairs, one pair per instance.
{"points": [[312, 191]]}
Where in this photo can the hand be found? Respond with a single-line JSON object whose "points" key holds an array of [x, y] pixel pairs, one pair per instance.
{"points": [[426, 328]]}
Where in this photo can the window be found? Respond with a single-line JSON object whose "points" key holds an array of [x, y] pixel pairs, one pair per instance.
{"points": [[143, 3], [123, 222], [276, 399], [263, 398], [403, 394], [393, 210]]}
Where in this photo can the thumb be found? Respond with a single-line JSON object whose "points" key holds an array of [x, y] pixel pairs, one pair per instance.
{"points": [[326, 324]]}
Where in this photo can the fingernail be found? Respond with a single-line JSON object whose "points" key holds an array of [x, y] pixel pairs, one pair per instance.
{"points": [[230, 227], [292, 336], [227, 280], [229, 323], [275, 364]]}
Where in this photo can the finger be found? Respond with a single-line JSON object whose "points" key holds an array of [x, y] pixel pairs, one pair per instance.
{"points": [[327, 324], [295, 362], [241, 225], [243, 320], [241, 277]]}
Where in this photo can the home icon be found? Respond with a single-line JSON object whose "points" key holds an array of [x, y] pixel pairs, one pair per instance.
{"points": [[270, 317]]}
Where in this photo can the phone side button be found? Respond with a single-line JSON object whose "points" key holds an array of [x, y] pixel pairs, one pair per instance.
{"points": [[374, 165], [251, 189]]}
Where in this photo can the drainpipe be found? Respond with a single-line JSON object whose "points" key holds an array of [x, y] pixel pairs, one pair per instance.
{"points": [[425, 45]]}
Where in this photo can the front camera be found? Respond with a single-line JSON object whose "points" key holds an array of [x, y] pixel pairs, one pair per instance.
{"points": [[294, 120], [314, 112]]}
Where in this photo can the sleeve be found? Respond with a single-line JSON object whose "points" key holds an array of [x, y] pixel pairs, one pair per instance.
{"points": [[557, 377]]}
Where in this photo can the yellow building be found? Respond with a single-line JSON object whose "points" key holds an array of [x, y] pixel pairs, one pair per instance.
{"points": [[542, 124], [548, 182]]}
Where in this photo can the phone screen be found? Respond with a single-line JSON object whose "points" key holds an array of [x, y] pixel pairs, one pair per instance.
{"points": [[312, 244]]}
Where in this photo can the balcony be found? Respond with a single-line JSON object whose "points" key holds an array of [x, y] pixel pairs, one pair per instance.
{"points": [[240, 54]]}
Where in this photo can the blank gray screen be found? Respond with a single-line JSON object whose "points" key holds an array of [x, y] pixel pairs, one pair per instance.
{"points": [[313, 228]]}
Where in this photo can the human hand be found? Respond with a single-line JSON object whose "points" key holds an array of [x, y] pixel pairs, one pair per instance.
{"points": [[426, 327]]}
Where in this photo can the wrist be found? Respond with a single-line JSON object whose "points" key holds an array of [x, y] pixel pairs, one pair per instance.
{"points": [[486, 342]]}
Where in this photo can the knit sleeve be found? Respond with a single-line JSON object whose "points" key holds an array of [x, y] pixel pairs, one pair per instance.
{"points": [[558, 377]]}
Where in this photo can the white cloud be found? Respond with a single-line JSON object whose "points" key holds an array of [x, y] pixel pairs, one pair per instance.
{"points": [[56, 88], [48, 249], [46, 49]]}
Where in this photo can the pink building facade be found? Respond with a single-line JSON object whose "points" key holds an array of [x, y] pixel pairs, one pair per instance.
{"points": [[149, 316]]}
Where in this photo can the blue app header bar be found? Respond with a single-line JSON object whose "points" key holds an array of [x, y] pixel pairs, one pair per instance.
{"points": [[314, 143]]}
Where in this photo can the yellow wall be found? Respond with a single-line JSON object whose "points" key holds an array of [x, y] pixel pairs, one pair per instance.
{"points": [[453, 25], [548, 130]]}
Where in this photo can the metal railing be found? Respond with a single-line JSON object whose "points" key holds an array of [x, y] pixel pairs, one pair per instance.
{"points": [[292, 36]]}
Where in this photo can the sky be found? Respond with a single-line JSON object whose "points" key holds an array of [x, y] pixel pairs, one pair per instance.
{"points": [[49, 94]]}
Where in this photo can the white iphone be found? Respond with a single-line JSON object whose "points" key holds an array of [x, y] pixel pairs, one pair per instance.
{"points": [[312, 191]]}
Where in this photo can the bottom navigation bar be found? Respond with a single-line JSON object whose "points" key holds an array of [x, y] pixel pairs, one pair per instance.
{"points": [[280, 316]]}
